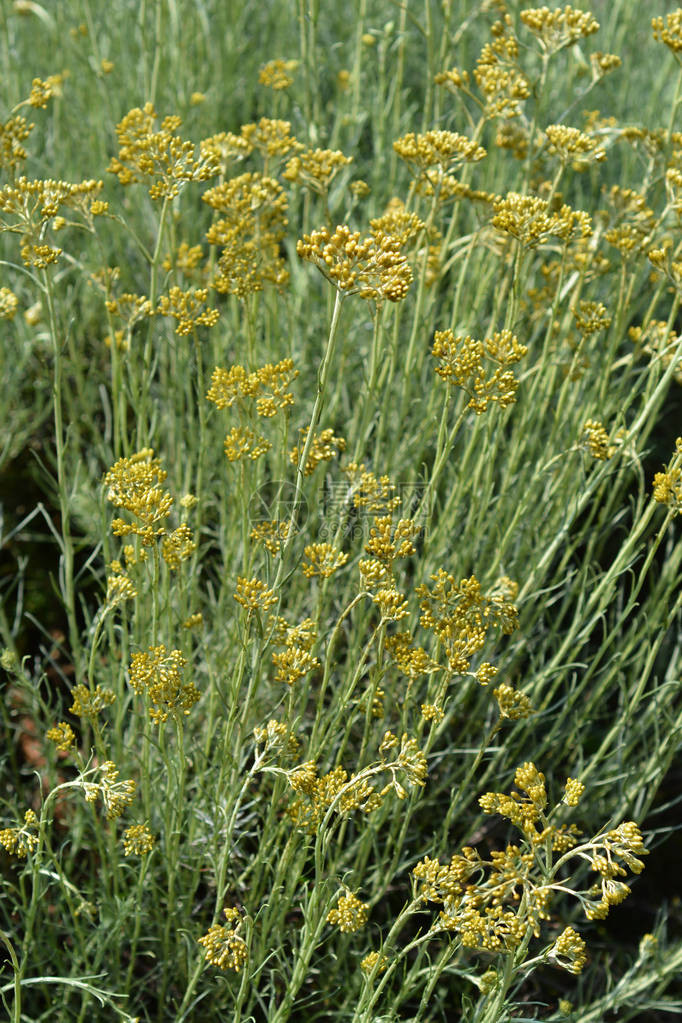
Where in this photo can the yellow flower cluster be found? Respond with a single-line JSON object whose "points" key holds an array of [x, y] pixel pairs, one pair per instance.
{"points": [[251, 224], [315, 168], [276, 74], [350, 914], [88, 703], [445, 149], [668, 484], [134, 484], [670, 30], [43, 91], [596, 440], [460, 615], [158, 673], [556, 29], [591, 317], [462, 364], [13, 132], [375, 494], [20, 841], [137, 839], [527, 218], [62, 735], [254, 595], [412, 660], [270, 534], [657, 340], [323, 560], [498, 76], [188, 308], [513, 704], [156, 154], [373, 267], [573, 146], [29, 208], [295, 659], [323, 448], [115, 795], [319, 793], [493, 905], [9, 303], [276, 738], [223, 946]]}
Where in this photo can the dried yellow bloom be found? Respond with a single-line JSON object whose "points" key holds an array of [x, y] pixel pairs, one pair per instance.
{"points": [[573, 146], [134, 484], [373, 960], [20, 841], [670, 31], [392, 605], [315, 168], [42, 91], [528, 219], [323, 560], [273, 381], [497, 74], [227, 385], [223, 946], [462, 364], [376, 495], [569, 951], [390, 540], [559, 28], [596, 439], [657, 341], [668, 484], [324, 447], [591, 317], [28, 208], [271, 138], [120, 587], [460, 615], [178, 546], [373, 267], [187, 307], [412, 660], [398, 223], [277, 738], [9, 303], [13, 133], [431, 712], [512, 703], [185, 260], [251, 225], [195, 621], [62, 735], [137, 839], [276, 74], [115, 795], [445, 149], [270, 534], [350, 914], [89, 703], [573, 791], [243, 442], [158, 673], [225, 148], [293, 663], [155, 154], [254, 594]]}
